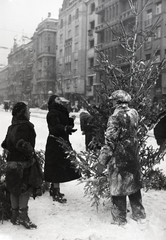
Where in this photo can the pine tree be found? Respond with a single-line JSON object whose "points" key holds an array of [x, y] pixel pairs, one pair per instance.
{"points": [[137, 77]]}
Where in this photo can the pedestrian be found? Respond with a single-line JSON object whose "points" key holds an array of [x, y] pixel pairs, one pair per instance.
{"points": [[121, 155], [87, 127], [58, 167], [23, 176], [160, 129]]}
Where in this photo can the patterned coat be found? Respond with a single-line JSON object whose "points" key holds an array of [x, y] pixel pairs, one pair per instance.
{"points": [[22, 172], [58, 167], [121, 151]]}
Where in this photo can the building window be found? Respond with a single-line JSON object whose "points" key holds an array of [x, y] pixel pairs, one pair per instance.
{"points": [[76, 31], [48, 48], [158, 8], [76, 46], [107, 35], [148, 43], [148, 56], [77, 13], [60, 53], [69, 20], [68, 83], [148, 21], [158, 59], [69, 34], [90, 81], [158, 33], [76, 64], [92, 25], [91, 62], [91, 44], [61, 38], [61, 24], [92, 8]]}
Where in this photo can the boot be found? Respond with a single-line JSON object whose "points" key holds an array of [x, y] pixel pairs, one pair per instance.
{"points": [[24, 219], [61, 194], [57, 196], [14, 217], [51, 191]]}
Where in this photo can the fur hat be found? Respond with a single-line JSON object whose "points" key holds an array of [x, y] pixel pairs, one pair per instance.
{"points": [[19, 109]]}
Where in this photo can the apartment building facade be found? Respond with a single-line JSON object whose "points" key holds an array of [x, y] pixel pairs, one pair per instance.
{"points": [[155, 14], [61, 56], [3, 84], [75, 49], [109, 13], [30, 73], [20, 72], [44, 40]]}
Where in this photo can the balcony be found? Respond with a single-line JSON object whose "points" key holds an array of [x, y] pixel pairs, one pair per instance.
{"points": [[45, 54], [100, 8], [100, 27], [127, 15]]}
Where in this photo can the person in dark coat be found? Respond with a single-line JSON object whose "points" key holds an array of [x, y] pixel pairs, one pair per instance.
{"points": [[21, 177], [87, 127], [121, 155], [58, 167], [160, 129]]}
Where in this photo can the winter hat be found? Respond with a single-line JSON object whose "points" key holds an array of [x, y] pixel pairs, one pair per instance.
{"points": [[52, 99], [120, 96], [19, 109]]}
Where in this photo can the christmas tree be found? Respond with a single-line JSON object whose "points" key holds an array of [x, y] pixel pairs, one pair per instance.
{"points": [[137, 77]]}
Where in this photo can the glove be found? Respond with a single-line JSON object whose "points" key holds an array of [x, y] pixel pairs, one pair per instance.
{"points": [[70, 130], [105, 155], [100, 168]]}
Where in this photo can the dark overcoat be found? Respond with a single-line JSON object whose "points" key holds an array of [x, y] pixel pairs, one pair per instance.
{"points": [[121, 144], [20, 143], [160, 129], [58, 167]]}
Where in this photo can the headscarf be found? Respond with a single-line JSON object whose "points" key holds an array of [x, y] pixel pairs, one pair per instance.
{"points": [[52, 99]]}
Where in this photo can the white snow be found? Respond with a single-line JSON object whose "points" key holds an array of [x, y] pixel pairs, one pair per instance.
{"points": [[77, 220]]}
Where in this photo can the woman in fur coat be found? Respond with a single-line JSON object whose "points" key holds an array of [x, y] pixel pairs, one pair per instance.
{"points": [[58, 167], [121, 155], [21, 176]]}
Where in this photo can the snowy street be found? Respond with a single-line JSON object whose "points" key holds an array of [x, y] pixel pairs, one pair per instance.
{"points": [[77, 220]]}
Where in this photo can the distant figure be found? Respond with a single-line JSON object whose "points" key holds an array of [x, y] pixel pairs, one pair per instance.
{"points": [[121, 156], [6, 106], [58, 167], [87, 127]]}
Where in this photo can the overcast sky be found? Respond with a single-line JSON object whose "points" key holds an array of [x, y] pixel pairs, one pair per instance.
{"points": [[21, 17]]}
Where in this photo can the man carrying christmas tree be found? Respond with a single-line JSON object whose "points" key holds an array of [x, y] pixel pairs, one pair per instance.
{"points": [[121, 155]]}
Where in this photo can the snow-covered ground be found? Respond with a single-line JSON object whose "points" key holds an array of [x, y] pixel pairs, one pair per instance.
{"points": [[77, 220]]}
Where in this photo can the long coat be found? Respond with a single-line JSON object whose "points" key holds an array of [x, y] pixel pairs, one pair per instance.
{"points": [[121, 151], [160, 129], [58, 167], [21, 170]]}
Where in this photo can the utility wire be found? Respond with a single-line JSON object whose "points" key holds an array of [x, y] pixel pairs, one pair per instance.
{"points": [[11, 31]]}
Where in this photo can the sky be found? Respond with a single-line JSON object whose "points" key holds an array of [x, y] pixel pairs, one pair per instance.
{"points": [[77, 219], [21, 17]]}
